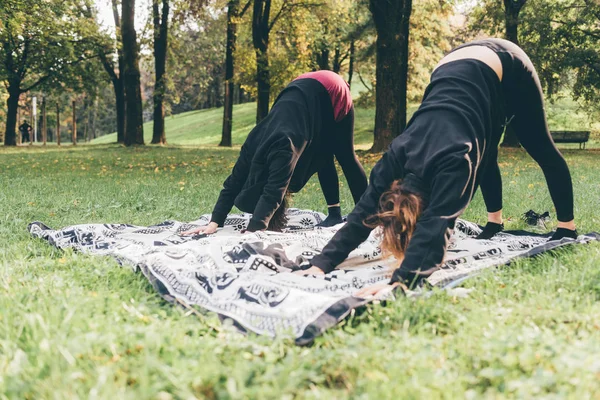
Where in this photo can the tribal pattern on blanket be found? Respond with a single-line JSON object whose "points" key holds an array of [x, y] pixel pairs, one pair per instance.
{"points": [[245, 277]]}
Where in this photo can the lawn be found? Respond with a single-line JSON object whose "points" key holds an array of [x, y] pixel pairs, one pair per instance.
{"points": [[75, 326]]}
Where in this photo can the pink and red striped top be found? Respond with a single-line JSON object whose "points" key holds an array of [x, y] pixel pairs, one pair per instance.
{"points": [[338, 89]]}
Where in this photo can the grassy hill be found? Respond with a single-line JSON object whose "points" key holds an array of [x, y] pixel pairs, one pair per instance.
{"points": [[203, 127]]}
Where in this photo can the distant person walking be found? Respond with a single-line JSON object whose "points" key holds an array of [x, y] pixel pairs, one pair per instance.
{"points": [[25, 130]]}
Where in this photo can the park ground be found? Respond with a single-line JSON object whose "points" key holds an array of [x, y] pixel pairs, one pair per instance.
{"points": [[75, 326]]}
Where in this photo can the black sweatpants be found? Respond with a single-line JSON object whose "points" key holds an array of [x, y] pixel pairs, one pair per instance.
{"points": [[342, 147], [524, 107]]}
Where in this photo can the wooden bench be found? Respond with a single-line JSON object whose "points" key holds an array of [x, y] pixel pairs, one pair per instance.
{"points": [[580, 137]]}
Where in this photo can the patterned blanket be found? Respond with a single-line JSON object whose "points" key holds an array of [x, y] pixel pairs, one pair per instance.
{"points": [[246, 277]]}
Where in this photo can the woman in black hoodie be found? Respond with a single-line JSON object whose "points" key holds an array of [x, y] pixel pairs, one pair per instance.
{"points": [[311, 121], [449, 148]]}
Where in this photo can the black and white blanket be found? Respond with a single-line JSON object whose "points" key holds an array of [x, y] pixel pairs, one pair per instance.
{"points": [[246, 277]]}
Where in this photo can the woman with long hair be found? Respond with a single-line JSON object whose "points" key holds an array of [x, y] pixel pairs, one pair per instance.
{"points": [[449, 148], [311, 122]]}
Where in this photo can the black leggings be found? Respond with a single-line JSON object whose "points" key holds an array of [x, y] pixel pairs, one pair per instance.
{"points": [[525, 111], [343, 150]]}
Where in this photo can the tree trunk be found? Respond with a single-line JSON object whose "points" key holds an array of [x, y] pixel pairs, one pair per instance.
{"points": [[19, 138], [134, 129], [44, 123], [90, 121], [118, 78], [12, 105], [337, 60], [351, 63], [120, 103], [160, 59], [117, 82], [57, 124], [94, 118], [512, 8], [323, 59], [74, 132], [260, 40], [232, 14], [392, 22], [30, 109]]}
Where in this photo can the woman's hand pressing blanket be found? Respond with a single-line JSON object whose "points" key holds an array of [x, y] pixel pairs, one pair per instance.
{"points": [[310, 271], [377, 290], [208, 229]]}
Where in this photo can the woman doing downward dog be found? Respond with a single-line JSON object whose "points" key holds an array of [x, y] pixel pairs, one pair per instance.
{"points": [[311, 121], [449, 148]]}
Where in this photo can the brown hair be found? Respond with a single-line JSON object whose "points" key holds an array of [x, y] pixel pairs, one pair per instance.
{"points": [[398, 214], [279, 219]]}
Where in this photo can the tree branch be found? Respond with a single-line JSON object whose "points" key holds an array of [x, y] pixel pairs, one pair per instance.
{"points": [[44, 78], [289, 8], [241, 14], [593, 34], [363, 82], [165, 14], [345, 56], [590, 7], [594, 66], [116, 17], [23, 63], [108, 67]]}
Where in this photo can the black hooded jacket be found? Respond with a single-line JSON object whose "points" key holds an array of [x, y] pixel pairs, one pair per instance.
{"points": [[439, 157], [281, 153]]}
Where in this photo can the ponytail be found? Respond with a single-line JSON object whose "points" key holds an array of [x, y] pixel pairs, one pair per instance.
{"points": [[398, 214]]}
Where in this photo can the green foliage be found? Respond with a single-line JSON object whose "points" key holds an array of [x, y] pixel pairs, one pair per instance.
{"points": [[561, 38], [429, 39], [331, 28], [45, 42], [430, 34], [289, 47]]}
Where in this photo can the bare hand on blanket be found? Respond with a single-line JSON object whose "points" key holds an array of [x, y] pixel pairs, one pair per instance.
{"points": [[208, 229], [311, 271], [376, 290]]}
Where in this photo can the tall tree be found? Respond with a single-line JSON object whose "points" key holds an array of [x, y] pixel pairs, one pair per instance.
{"points": [[160, 20], [42, 43], [115, 72], [134, 130], [260, 40], [351, 62], [262, 25], [392, 22], [512, 8], [232, 15]]}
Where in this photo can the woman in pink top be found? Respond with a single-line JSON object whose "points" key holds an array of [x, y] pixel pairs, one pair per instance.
{"points": [[311, 122]]}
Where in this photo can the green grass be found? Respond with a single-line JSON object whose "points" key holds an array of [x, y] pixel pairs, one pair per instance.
{"points": [[74, 326]]}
